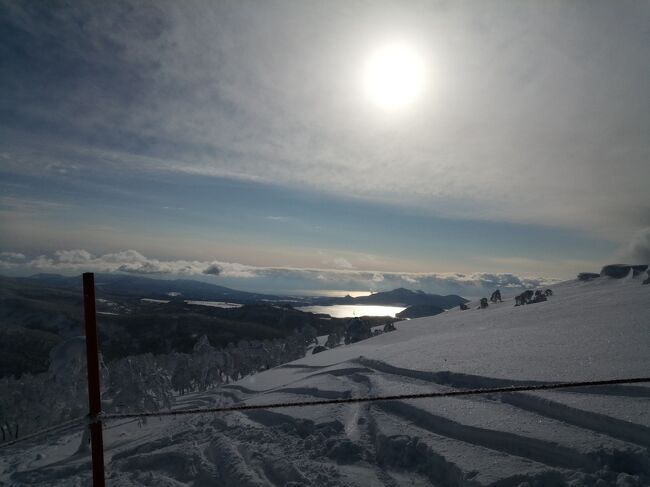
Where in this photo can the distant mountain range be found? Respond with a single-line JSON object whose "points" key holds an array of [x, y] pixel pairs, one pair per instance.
{"points": [[188, 289], [145, 287]]}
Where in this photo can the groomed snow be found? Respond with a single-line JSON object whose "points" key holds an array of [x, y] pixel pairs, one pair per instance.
{"points": [[587, 330]]}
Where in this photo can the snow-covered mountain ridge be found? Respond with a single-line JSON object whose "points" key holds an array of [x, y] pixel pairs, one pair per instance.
{"points": [[598, 329]]}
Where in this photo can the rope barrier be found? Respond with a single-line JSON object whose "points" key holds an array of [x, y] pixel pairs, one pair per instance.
{"points": [[352, 400], [323, 402], [51, 429]]}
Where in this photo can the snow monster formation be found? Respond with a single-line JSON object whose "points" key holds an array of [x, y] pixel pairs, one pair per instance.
{"points": [[356, 331], [333, 339], [388, 327], [530, 297], [496, 296], [539, 297], [587, 276], [619, 271], [524, 298]]}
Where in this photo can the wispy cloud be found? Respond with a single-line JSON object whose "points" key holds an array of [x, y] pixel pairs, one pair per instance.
{"points": [[25, 205], [342, 263], [529, 118]]}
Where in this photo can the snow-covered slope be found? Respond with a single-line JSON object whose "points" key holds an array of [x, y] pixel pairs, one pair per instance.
{"points": [[588, 330]]}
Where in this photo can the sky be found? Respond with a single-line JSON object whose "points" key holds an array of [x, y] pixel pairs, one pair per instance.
{"points": [[239, 142]]}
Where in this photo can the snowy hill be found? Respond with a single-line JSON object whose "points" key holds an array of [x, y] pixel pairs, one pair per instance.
{"points": [[597, 329]]}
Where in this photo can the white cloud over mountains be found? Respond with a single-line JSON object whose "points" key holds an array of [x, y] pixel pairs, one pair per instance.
{"points": [[282, 279], [12, 256], [638, 250]]}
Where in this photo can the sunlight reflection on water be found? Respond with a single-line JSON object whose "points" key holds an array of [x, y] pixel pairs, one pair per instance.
{"points": [[351, 310]]}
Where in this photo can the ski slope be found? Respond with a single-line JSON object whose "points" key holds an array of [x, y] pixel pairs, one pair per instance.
{"points": [[600, 436]]}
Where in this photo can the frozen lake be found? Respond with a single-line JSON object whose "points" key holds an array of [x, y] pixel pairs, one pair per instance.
{"points": [[352, 310]]}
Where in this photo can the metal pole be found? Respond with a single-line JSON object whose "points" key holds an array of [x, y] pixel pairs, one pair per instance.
{"points": [[94, 398]]}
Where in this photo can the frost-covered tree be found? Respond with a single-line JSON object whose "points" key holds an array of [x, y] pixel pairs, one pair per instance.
{"points": [[139, 384], [333, 339], [136, 383]]}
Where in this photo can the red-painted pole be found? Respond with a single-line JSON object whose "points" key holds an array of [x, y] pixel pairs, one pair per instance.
{"points": [[94, 397]]}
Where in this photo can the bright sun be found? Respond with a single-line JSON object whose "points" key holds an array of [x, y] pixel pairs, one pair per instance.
{"points": [[394, 76]]}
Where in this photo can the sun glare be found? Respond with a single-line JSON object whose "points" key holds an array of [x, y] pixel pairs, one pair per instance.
{"points": [[394, 76]]}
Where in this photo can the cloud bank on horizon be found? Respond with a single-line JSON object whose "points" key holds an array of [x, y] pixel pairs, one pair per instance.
{"points": [[278, 279]]}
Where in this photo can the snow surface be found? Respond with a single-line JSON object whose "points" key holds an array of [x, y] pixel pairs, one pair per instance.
{"points": [[598, 329]]}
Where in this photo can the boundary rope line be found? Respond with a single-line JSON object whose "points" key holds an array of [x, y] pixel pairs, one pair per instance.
{"points": [[352, 400], [323, 402], [45, 431]]}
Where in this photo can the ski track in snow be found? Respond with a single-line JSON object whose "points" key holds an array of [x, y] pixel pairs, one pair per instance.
{"points": [[591, 436]]}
